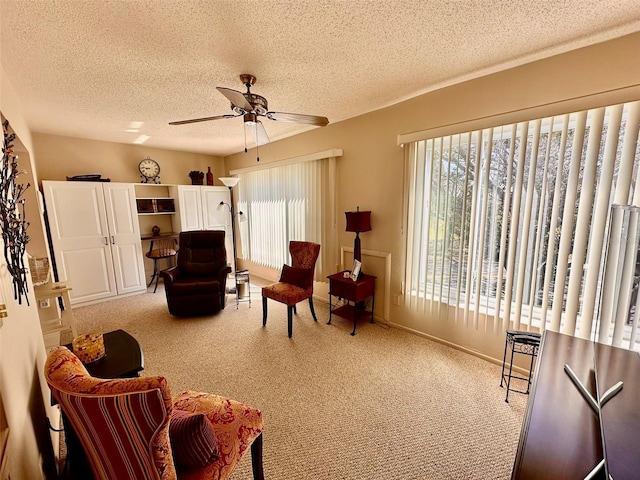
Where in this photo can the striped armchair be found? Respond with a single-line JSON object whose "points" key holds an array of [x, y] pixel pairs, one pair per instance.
{"points": [[125, 425]]}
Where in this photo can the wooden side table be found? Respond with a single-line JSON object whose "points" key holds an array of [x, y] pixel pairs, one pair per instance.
{"points": [[356, 292]]}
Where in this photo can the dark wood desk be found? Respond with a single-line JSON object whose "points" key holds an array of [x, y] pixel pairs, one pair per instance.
{"points": [[353, 291], [560, 435], [621, 414]]}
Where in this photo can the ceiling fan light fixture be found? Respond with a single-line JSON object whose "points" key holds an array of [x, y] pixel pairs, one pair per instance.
{"points": [[252, 106], [258, 103]]}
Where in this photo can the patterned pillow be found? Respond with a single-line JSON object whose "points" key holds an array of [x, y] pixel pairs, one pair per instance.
{"points": [[193, 440], [300, 277]]}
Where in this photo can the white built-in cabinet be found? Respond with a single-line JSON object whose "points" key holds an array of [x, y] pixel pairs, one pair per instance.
{"points": [[96, 238], [188, 201], [198, 208]]}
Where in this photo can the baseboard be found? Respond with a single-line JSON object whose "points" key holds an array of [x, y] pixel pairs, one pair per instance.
{"points": [[475, 353], [107, 299]]}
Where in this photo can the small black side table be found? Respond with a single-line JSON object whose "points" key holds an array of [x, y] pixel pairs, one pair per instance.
{"points": [[123, 359]]}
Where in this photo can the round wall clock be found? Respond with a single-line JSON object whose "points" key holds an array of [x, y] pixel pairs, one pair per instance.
{"points": [[149, 170]]}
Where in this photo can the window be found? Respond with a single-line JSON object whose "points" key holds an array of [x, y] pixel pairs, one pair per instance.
{"points": [[288, 202], [508, 225]]}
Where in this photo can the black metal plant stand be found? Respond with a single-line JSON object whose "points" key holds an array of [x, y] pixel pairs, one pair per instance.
{"points": [[523, 343]]}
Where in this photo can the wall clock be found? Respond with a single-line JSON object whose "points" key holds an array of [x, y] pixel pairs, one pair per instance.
{"points": [[149, 171]]}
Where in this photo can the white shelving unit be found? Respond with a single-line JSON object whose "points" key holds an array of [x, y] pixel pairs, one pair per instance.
{"points": [[150, 195]]}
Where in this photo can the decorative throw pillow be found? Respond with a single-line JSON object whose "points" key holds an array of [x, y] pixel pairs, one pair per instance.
{"points": [[193, 440], [300, 277]]}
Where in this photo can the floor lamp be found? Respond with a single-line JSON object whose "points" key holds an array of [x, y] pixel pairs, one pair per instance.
{"points": [[232, 182]]}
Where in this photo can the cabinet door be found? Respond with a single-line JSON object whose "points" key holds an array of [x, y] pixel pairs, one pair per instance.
{"points": [[216, 216], [80, 238], [189, 207], [124, 230]]}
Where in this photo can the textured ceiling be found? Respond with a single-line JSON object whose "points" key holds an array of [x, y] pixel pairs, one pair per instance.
{"points": [[90, 68]]}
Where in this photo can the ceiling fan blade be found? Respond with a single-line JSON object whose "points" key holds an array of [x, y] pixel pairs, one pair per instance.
{"points": [[298, 118], [236, 98], [204, 119], [258, 133]]}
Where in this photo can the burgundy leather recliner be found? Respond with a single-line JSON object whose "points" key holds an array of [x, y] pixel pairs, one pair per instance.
{"points": [[197, 284]]}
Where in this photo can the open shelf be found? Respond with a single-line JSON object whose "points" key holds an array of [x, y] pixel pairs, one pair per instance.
{"points": [[347, 311], [155, 206]]}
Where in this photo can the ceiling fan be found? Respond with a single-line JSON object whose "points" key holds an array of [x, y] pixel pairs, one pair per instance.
{"points": [[251, 107]]}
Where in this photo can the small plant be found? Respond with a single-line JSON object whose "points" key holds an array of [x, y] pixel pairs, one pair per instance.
{"points": [[197, 177]]}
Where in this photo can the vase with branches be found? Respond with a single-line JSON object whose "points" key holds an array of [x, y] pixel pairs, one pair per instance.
{"points": [[12, 215]]}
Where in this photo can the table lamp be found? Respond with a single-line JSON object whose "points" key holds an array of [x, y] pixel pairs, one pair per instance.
{"points": [[358, 222]]}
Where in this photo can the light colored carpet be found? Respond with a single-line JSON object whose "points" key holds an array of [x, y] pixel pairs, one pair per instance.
{"points": [[384, 404]]}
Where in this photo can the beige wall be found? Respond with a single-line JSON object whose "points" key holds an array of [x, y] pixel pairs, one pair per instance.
{"points": [[370, 174], [25, 395], [59, 157]]}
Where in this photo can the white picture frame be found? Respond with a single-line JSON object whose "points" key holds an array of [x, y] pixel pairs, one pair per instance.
{"points": [[357, 265]]}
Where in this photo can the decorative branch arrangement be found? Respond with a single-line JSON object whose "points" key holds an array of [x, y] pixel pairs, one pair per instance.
{"points": [[12, 216]]}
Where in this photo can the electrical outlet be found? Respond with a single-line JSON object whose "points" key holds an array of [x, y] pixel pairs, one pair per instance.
{"points": [[45, 303]]}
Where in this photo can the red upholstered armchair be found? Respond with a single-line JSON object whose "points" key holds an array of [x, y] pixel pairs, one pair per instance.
{"points": [[296, 281], [132, 429]]}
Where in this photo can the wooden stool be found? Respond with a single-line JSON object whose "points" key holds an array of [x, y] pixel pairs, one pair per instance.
{"points": [[164, 250]]}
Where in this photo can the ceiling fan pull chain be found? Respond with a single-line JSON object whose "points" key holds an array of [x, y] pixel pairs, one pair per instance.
{"points": [[257, 152], [244, 129]]}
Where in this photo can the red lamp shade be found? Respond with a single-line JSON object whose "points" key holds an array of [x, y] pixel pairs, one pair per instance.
{"points": [[358, 221]]}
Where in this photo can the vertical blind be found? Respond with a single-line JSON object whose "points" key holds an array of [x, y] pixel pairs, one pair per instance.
{"points": [[509, 225], [284, 203]]}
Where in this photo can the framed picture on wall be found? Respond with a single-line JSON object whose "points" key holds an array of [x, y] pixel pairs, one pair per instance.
{"points": [[356, 270]]}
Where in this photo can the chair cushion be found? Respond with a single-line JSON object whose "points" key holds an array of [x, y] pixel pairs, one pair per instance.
{"points": [[300, 277], [202, 253], [193, 439], [285, 293], [204, 267], [195, 286], [236, 425]]}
